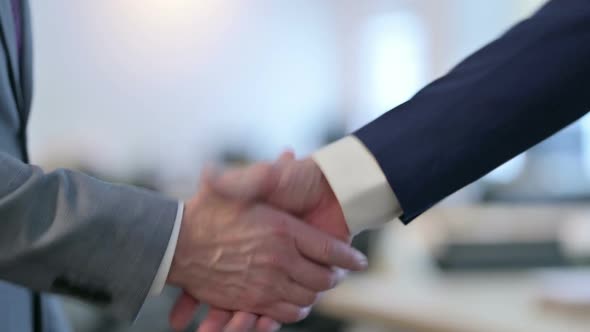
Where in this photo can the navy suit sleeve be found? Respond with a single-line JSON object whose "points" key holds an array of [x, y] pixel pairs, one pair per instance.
{"points": [[510, 95]]}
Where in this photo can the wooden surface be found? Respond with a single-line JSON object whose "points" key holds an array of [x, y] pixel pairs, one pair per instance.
{"points": [[473, 302], [409, 293]]}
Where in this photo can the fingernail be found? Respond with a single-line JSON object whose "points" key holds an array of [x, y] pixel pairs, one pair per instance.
{"points": [[275, 327], [305, 312], [362, 261], [340, 276]]}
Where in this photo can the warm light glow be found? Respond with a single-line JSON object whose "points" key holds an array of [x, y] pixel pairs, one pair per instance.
{"points": [[177, 31], [165, 14], [164, 17]]}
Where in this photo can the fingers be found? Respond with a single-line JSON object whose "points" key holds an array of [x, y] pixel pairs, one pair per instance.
{"points": [[326, 249], [248, 183], [215, 321], [241, 322], [285, 157], [341, 274], [183, 312], [266, 324], [285, 312], [299, 295], [310, 245], [314, 276]]}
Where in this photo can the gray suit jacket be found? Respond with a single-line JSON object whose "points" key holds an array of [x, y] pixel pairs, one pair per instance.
{"points": [[65, 232]]}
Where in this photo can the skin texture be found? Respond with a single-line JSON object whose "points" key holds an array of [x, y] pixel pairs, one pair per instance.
{"points": [[295, 186]]}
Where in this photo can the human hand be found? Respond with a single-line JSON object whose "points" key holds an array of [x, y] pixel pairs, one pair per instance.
{"points": [[251, 257], [298, 186]]}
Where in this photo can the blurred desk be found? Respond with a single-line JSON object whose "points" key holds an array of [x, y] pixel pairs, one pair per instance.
{"points": [[459, 302]]}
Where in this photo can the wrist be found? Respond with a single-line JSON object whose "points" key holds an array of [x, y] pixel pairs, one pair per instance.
{"points": [[329, 202], [361, 187], [180, 259]]}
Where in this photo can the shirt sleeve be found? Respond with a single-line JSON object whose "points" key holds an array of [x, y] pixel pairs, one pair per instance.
{"points": [[366, 198], [164, 269]]}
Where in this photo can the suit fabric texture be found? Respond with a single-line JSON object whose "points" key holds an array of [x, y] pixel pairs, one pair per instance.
{"points": [[64, 232], [510, 95]]}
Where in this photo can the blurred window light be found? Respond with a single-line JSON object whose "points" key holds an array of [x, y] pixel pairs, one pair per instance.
{"points": [[508, 171], [393, 63], [585, 125], [394, 67]]}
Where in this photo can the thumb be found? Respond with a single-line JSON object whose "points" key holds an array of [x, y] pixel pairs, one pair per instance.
{"points": [[209, 175], [249, 183], [299, 186], [183, 312], [287, 156]]}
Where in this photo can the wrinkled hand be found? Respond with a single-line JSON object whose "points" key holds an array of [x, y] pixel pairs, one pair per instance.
{"points": [[239, 255], [296, 186]]}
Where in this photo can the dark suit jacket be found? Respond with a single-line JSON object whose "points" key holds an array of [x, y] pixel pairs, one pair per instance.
{"points": [[510, 95]]}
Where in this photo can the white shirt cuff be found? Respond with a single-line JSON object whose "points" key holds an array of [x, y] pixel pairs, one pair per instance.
{"points": [[366, 198], [162, 274]]}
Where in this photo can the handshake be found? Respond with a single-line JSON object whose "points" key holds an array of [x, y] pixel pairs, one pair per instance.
{"points": [[259, 244]]}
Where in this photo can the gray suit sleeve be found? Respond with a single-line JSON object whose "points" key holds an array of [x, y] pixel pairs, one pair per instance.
{"points": [[68, 233]]}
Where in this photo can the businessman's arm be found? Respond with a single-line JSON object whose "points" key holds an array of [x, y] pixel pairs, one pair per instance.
{"points": [[68, 233], [510, 95]]}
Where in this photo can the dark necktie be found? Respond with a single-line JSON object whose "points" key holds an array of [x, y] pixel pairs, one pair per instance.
{"points": [[16, 9]]}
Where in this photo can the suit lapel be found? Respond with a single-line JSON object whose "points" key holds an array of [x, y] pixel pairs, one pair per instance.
{"points": [[7, 25]]}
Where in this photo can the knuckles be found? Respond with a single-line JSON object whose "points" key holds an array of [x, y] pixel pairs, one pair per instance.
{"points": [[279, 228], [257, 300], [274, 260]]}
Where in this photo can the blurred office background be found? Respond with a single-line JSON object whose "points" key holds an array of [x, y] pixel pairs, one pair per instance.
{"points": [[149, 91]]}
